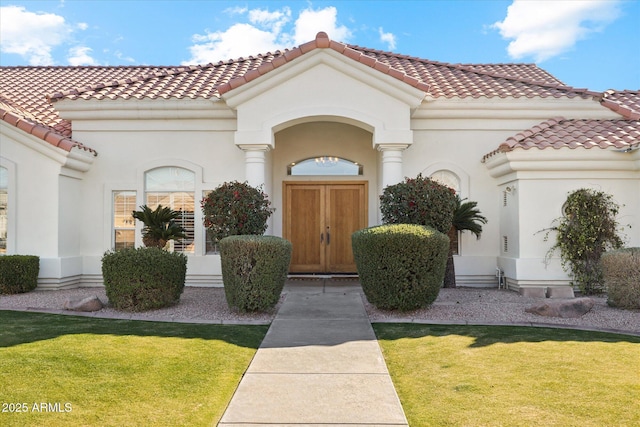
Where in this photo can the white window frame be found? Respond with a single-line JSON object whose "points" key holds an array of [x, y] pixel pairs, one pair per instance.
{"points": [[199, 237], [12, 208]]}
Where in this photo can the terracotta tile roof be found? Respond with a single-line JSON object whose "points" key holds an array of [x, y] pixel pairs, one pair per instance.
{"points": [[31, 92], [27, 88], [561, 133], [480, 80], [626, 103], [24, 91], [24, 121], [437, 78]]}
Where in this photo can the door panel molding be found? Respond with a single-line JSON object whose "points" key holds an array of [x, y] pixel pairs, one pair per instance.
{"points": [[319, 218]]}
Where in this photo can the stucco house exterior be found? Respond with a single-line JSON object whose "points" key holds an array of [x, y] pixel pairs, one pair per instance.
{"points": [[324, 127]]}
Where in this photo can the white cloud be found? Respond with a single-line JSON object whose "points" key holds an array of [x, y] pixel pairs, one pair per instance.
{"points": [[118, 54], [388, 38], [31, 35], [80, 55], [239, 40], [544, 29], [265, 31], [310, 22]]}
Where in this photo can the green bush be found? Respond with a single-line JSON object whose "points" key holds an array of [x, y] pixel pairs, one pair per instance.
{"points": [[254, 269], [587, 230], [235, 208], [621, 269], [18, 273], [143, 278], [401, 266], [421, 201]]}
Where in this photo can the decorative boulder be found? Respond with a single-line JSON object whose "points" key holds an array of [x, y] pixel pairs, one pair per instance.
{"points": [[84, 304], [562, 308]]}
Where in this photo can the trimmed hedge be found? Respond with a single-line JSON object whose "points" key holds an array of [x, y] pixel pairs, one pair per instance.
{"points": [[254, 269], [18, 273], [143, 278], [621, 270], [401, 266]]}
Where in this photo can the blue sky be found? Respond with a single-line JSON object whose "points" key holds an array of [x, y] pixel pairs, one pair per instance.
{"points": [[591, 44]]}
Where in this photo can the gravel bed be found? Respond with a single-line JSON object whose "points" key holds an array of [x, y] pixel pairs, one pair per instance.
{"points": [[453, 306], [197, 305], [493, 306]]}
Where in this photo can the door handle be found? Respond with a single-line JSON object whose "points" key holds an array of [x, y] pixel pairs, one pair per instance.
{"points": [[321, 238], [328, 236]]}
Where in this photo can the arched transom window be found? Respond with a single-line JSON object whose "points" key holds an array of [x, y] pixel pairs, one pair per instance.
{"points": [[174, 187], [324, 166]]}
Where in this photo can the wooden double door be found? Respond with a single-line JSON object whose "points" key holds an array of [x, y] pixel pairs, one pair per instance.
{"points": [[319, 219]]}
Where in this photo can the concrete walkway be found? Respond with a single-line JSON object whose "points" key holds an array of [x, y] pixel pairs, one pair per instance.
{"points": [[319, 364]]}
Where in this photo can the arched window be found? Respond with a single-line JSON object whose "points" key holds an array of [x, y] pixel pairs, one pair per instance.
{"points": [[174, 187], [324, 166], [451, 180], [4, 206], [447, 178]]}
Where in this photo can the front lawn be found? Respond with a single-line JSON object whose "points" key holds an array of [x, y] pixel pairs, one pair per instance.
{"points": [[65, 370], [512, 376]]}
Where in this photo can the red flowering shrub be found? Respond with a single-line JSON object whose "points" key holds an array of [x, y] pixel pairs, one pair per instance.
{"points": [[235, 208], [420, 201]]}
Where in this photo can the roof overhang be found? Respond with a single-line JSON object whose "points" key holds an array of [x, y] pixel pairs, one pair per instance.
{"points": [[564, 163], [71, 160]]}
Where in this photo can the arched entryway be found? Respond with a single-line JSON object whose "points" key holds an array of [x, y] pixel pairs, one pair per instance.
{"points": [[319, 210]]}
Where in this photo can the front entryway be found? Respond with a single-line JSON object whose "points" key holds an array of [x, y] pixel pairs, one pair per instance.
{"points": [[319, 219]]}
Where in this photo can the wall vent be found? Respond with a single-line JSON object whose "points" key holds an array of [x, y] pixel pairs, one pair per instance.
{"points": [[505, 244], [504, 198]]}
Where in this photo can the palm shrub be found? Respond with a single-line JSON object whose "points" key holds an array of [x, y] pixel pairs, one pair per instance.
{"points": [[621, 271], [586, 231], [18, 273], [421, 201], [159, 225], [254, 270], [235, 208], [466, 217], [401, 266], [138, 279]]}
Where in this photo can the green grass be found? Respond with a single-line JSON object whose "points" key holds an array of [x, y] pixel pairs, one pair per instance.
{"points": [[512, 376], [119, 372]]}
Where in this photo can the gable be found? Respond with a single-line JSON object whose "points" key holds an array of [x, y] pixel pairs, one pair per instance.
{"points": [[324, 84]]}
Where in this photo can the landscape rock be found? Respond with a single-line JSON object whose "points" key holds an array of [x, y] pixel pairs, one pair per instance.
{"points": [[567, 308], [91, 303]]}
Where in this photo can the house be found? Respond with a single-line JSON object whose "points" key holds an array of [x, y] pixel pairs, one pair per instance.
{"points": [[323, 127]]}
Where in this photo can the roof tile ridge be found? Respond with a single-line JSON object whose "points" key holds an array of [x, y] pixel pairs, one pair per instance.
{"points": [[615, 106], [559, 86], [165, 70], [466, 67], [43, 132], [322, 41]]}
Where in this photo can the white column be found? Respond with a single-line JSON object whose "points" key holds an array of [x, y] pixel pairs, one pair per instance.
{"points": [[254, 163], [391, 163]]}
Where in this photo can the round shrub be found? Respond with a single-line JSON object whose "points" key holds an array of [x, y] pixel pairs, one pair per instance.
{"points": [[421, 201], [401, 266], [621, 270], [235, 208], [18, 273], [143, 278], [254, 269]]}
